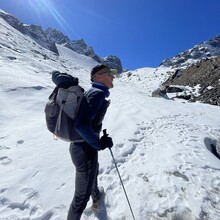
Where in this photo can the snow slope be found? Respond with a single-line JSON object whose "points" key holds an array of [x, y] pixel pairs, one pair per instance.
{"points": [[162, 147]]}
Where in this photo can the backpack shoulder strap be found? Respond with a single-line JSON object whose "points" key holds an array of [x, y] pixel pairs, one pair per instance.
{"points": [[53, 95]]}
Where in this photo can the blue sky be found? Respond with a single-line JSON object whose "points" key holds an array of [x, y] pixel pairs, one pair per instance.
{"points": [[142, 33]]}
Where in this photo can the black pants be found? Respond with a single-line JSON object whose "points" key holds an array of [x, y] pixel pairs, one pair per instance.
{"points": [[85, 159]]}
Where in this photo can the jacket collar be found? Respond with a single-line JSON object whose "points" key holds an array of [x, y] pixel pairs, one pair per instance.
{"points": [[101, 86]]}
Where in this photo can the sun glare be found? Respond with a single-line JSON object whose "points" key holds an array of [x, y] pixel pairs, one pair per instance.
{"points": [[37, 5], [42, 7]]}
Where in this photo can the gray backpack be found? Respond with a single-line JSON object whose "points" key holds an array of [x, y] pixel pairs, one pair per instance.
{"points": [[62, 108]]}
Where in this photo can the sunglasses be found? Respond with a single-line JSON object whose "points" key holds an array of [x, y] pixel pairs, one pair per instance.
{"points": [[111, 72], [107, 73]]}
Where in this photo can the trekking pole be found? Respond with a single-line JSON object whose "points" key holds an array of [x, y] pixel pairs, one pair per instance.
{"points": [[105, 133]]}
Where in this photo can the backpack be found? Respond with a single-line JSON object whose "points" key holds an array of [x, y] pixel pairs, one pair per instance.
{"points": [[62, 108]]}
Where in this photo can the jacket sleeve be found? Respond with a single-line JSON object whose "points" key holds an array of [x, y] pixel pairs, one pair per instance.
{"points": [[88, 111]]}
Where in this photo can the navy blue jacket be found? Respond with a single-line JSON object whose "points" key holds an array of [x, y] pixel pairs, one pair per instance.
{"points": [[91, 114]]}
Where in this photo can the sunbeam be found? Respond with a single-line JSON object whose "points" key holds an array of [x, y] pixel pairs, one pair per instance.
{"points": [[47, 7]]}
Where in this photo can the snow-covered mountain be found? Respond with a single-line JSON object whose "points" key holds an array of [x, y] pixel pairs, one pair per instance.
{"points": [[50, 37], [191, 75], [165, 150], [204, 50]]}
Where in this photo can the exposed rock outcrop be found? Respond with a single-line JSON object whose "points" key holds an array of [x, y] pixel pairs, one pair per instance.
{"points": [[206, 75]]}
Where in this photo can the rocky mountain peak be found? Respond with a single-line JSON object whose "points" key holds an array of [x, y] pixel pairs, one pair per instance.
{"points": [[56, 36], [50, 37], [204, 50], [215, 42], [81, 47], [111, 61]]}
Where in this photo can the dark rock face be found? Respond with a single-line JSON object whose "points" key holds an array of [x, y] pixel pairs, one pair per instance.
{"points": [[14, 22], [113, 62], [37, 34], [79, 46], [205, 73]]}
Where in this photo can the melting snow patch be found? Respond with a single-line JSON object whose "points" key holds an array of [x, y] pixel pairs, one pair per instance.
{"points": [[210, 87]]}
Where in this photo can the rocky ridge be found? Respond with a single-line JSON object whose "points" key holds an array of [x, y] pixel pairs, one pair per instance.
{"points": [[199, 52], [78, 46], [50, 37]]}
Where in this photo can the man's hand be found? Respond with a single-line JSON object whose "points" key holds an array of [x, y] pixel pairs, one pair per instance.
{"points": [[106, 142]]}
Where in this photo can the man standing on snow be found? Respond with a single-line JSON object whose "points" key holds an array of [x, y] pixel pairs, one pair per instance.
{"points": [[85, 154]]}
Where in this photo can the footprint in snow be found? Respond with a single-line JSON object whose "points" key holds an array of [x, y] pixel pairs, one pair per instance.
{"points": [[20, 142], [143, 176], [61, 186], [128, 151], [119, 145], [5, 160], [178, 174], [136, 139], [3, 190], [2, 147]]}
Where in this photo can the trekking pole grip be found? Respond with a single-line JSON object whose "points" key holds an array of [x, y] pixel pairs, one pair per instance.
{"points": [[105, 132]]}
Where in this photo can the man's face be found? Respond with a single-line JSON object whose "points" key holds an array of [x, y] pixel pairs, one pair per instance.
{"points": [[106, 79]]}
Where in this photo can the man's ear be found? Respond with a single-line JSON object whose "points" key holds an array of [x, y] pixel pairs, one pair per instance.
{"points": [[97, 78]]}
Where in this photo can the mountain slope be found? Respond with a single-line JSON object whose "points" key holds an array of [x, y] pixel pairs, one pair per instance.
{"points": [[50, 37]]}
